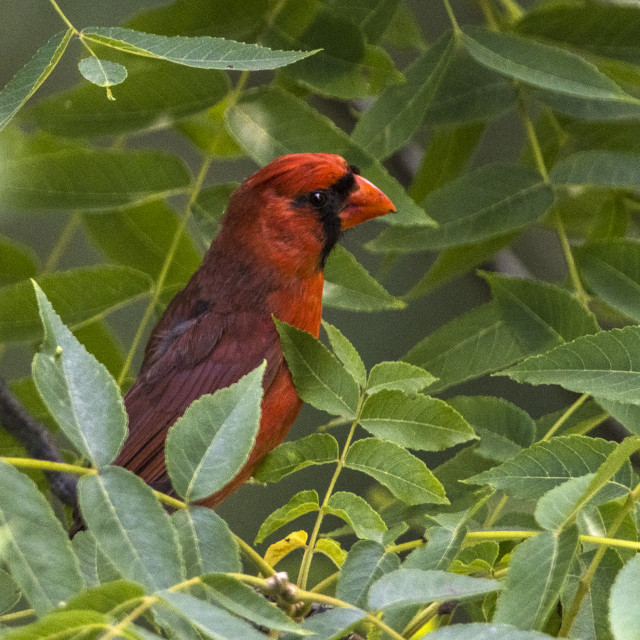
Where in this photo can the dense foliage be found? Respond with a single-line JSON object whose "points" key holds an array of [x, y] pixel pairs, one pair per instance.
{"points": [[529, 529]]}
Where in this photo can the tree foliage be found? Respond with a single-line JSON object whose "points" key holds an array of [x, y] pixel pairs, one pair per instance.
{"points": [[529, 528]]}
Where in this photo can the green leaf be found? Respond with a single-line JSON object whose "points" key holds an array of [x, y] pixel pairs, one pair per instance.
{"points": [[624, 615], [537, 572], [268, 123], [598, 169], [209, 619], [207, 130], [470, 93], [131, 527], [371, 17], [596, 110], [465, 348], [102, 73], [480, 631], [606, 364], [61, 625], [607, 30], [94, 565], [415, 586], [99, 340], [504, 428], [26, 82], [141, 237], [612, 271], [540, 65], [592, 619], [358, 514], [90, 179], [344, 66], [201, 52], [443, 544], [414, 421], [400, 110], [406, 476], [155, 96], [206, 541], [346, 353], [9, 592], [540, 314], [106, 597], [244, 601], [225, 18], [628, 415], [456, 261], [209, 444], [303, 502], [560, 506], [17, 261], [289, 457], [35, 547], [319, 378], [79, 392], [400, 376], [480, 205], [348, 285], [366, 562], [547, 464], [80, 296], [333, 624]]}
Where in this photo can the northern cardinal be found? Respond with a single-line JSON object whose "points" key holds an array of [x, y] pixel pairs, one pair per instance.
{"points": [[268, 259]]}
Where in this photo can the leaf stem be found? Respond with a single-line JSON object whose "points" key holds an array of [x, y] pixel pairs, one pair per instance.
{"points": [[420, 619], [574, 276], [62, 242], [48, 465], [305, 565], [454, 23], [533, 139], [584, 585], [493, 516], [162, 276], [16, 615], [565, 416], [59, 11]]}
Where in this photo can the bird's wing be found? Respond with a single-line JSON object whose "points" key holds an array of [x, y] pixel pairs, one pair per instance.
{"points": [[192, 359]]}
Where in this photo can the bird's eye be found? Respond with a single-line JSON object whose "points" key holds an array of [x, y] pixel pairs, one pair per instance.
{"points": [[318, 198]]}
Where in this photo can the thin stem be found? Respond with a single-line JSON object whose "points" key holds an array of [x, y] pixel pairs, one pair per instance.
{"points": [[48, 465], [487, 11], [115, 630], [264, 567], [513, 10], [17, 615], [454, 23], [329, 581], [64, 18], [574, 276], [533, 140], [493, 516], [162, 276], [308, 552], [62, 243], [584, 585], [170, 501], [587, 425], [565, 416], [420, 619]]}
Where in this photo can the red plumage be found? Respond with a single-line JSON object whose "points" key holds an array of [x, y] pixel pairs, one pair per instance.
{"points": [[267, 260]]}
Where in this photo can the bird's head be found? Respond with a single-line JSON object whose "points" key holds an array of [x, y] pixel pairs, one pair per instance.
{"points": [[293, 210]]}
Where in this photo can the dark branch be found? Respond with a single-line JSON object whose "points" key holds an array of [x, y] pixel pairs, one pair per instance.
{"points": [[36, 439]]}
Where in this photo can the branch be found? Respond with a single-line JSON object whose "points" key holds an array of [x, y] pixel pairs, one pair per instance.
{"points": [[37, 440]]}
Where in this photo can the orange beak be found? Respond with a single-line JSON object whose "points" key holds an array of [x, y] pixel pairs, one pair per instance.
{"points": [[366, 202]]}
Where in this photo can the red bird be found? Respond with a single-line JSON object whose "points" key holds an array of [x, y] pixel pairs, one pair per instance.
{"points": [[268, 259]]}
